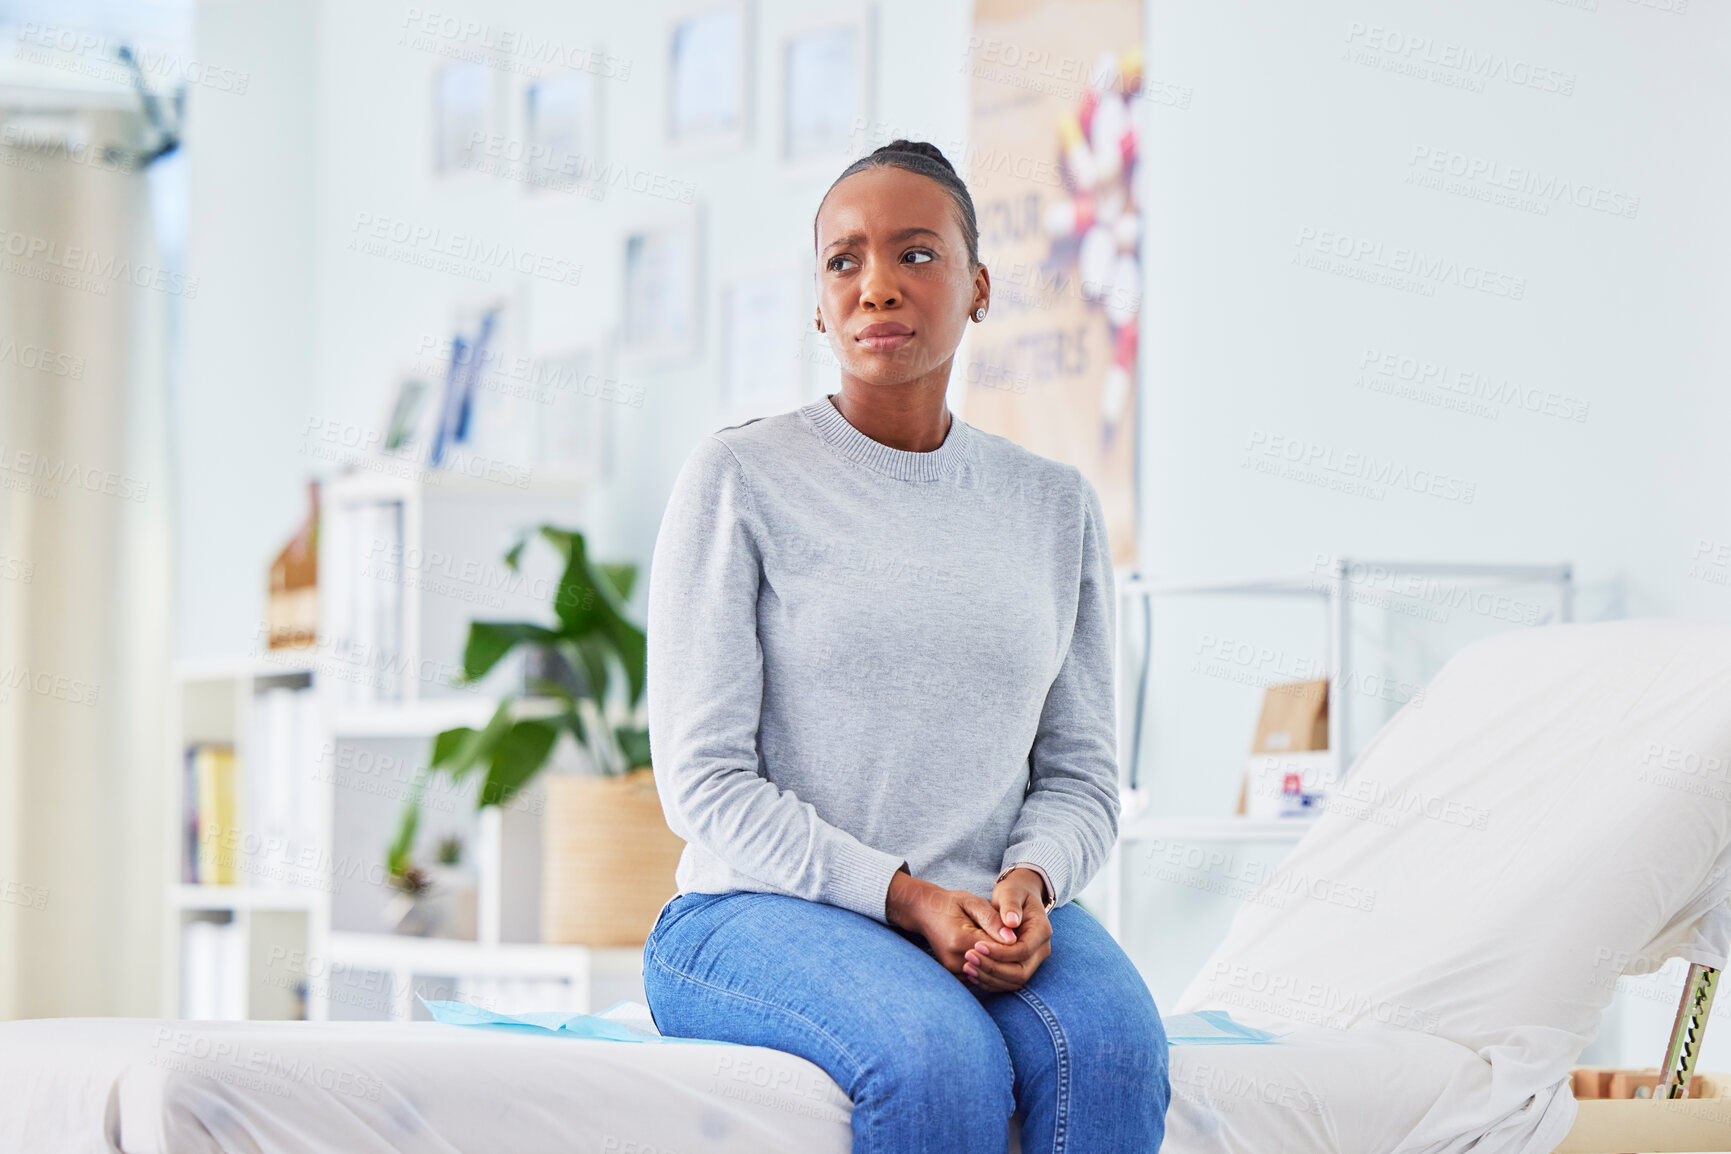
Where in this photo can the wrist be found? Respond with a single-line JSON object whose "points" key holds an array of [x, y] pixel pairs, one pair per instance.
{"points": [[1030, 881], [902, 903]]}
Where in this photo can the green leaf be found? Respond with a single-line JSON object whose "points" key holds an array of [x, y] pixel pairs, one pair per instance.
{"points": [[446, 744], [540, 687], [517, 758], [621, 575], [632, 648], [399, 856], [489, 641], [562, 539], [466, 748], [579, 604], [592, 651], [573, 721], [634, 743]]}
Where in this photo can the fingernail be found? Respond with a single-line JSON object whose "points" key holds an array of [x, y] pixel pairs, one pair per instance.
{"points": [[1014, 917], [1009, 935], [984, 948], [970, 971]]}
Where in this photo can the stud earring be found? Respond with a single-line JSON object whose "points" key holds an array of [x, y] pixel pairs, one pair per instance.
{"points": [[979, 314]]}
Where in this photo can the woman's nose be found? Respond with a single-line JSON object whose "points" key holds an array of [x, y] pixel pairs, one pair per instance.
{"points": [[878, 287]]}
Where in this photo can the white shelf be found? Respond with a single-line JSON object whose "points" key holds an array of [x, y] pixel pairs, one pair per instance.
{"points": [[1216, 829], [421, 719], [277, 663], [197, 897], [390, 478], [210, 700], [1330, 587], [426, 718], [456, 957]]}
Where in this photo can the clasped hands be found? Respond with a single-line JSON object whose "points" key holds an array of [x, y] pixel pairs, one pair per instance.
{"points": [[995, 945]]}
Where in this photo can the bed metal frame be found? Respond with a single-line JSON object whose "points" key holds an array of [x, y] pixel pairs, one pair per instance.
{"points": [[1688, 1030], [1667, 1122]]}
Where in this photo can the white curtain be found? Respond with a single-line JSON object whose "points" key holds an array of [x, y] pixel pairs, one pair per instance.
{"points": [[85, 636]]}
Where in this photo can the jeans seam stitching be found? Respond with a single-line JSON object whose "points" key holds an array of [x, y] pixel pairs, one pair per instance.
{"points": [[1010, 1065], [795, 1014], [1060, 1120]]}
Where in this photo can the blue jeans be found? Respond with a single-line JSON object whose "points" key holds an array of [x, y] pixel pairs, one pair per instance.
{"points": [[931, 1063]]}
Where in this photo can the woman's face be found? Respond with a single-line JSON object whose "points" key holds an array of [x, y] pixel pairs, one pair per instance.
{"points": [[894, 287]]}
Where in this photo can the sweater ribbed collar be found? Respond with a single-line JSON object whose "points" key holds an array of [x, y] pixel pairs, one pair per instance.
{"points": [[901, 464]]}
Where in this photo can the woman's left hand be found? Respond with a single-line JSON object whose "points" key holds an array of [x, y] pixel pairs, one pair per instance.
{"points": [[1000, 967]]}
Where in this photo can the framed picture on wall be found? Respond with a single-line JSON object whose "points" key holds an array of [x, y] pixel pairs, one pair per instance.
{"points": [[562, 119], [660, 293], [463, 115], [708, 74], [485, 419], [409, 424], [760, 324], [824, 72], [579, 393]]}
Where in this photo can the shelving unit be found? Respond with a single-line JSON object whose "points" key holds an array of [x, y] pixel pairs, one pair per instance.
{"points": [[294, 935], [197, 897], [209, 701], [426, 718], [1332, 589], [404, 957]]}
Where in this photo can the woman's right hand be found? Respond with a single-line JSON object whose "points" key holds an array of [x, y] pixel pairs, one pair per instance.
{"points": [[951, 921]]}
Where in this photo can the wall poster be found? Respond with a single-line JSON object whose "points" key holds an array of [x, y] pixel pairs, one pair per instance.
{"points": [[1053, 153]]}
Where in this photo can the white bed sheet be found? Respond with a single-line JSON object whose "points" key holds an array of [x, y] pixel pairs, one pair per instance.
{"points": [[1324, 1091], [98, 1086], [159, 1087]]}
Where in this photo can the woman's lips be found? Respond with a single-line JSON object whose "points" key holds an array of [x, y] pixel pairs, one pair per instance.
{"points": [[883, 337], [885, 344]]}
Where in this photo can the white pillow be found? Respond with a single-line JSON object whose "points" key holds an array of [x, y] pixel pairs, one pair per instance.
{"points": [[1553, 812]]}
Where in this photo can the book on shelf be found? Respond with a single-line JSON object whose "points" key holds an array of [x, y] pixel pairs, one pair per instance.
{"points": [[387, 541], [212, 771], [189, 818], [280, 806], [366, 602], [213, 971]]}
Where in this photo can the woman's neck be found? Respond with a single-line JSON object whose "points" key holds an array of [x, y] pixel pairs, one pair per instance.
{"points": [[907, 417]]}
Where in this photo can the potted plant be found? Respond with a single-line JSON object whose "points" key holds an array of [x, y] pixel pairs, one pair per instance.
{"points": [[608, 854], [437, 901]]}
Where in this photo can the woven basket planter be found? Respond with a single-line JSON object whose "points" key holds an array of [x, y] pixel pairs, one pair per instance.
{"points": [[608, 859]]}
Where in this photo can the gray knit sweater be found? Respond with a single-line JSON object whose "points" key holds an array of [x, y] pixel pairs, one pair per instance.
{"points": [[861, 656]]}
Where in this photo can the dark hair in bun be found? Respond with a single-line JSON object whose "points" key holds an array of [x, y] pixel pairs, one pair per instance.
{"points": [[919, 157]]}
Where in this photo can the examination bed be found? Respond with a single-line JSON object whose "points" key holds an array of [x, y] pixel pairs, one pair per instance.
{"points": [[1554, 812]]}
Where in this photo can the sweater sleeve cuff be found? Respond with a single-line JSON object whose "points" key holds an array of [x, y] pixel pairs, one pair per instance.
{"points": [[858, 879], [1045, 878], [1048, 859]]}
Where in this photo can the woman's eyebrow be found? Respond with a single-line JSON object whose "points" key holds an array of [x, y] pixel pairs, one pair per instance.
{"points": [[856, 237]]}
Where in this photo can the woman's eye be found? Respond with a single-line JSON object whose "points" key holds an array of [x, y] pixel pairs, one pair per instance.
{"points": [[917, 255]]}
